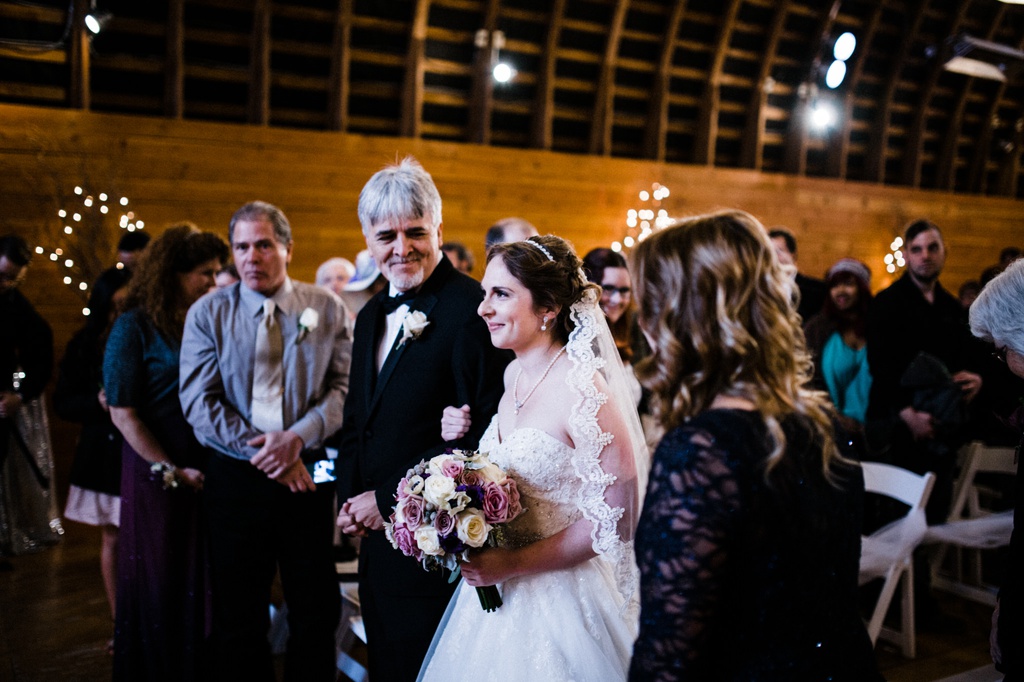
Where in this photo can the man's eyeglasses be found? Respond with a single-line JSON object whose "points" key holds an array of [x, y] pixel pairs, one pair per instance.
{"points": [[1000, 354], [609, 290]]}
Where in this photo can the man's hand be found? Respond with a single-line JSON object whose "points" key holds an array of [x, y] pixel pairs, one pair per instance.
{"points": [[363, 510], [921, 424], [297, 478], [193, 478], [279, 450], [348, 524], [455, 422], [969, 383], [10, 403]]}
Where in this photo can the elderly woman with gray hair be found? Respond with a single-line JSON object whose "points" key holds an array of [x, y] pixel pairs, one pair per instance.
{"points": [[997, 315]]}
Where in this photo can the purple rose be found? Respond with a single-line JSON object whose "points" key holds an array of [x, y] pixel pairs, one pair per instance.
{"points": [[413, 508], [452, 468], [402, 492], [404, 540], [515, 506], [444, 523], [495, 503]]}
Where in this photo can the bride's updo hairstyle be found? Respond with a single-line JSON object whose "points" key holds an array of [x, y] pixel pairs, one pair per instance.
{"points": [[550, 269], [715, 302]]}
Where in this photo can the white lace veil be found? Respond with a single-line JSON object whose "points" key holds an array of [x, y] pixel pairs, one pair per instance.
{"points": [[613, 478]]}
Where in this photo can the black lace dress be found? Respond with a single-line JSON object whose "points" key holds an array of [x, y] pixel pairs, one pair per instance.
{"points": [[742, 580]]}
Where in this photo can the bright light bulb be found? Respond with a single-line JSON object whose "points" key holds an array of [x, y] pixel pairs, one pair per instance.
{"points": [[88, 201], [39, 249], [629, 241], [77, 216], [139, 224], [124, 221], [104, 209], [844, 47], [890, 268], [898, 255], [53, 257], [83, 286], [630, 222], [67, 229], [644, 195], [835, 74], [124, 201], [86, 311], [62, 213], [120, 265], [78, 190], [616, 247], [67, 280], [69, 263], [898, 242], [503, 73], [822, 116], [631, 213], [131, 228], [888, 258], [103, 196]]}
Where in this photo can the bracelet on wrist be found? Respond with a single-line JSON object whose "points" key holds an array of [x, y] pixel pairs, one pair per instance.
{"points": [[165, 472]]}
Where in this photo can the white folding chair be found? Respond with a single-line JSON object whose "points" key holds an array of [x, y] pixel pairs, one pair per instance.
{"points": [[970, 525], [888, 553], [350, 629]]}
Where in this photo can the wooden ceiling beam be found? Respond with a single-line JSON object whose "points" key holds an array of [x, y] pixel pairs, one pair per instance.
{"points": [[946, 176], [1009, 167], [707, 118], [412, 89], [878, 147], [604, 101], [78, 57], [837, 161], [174, 57], [543, 118], [259, 65], [752, 149], [338, 80], [911, 169], [794, 159], [482, 87], [978, 177], [657, 118]]}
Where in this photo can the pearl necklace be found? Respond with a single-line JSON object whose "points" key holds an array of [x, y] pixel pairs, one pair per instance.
{"points": [[515, 387]]}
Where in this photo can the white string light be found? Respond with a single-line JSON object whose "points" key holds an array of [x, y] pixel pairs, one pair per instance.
{"points": [[643, 222], [894, 259], [78, 214]]}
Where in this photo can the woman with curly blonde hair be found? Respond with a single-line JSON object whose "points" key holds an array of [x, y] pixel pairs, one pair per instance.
{"points": [[749, 541], [162, 602]]}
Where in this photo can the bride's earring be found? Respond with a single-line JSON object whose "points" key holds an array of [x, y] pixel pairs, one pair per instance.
{"points": [[544, 326]]}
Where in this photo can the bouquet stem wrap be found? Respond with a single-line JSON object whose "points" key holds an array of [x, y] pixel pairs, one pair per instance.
{"points": [[490, 598]]}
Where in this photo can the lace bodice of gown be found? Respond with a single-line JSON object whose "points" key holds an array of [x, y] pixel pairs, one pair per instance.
{"points": [[542, 468]]}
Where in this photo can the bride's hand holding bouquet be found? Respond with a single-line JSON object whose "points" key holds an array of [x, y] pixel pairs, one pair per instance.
{"points": [[449, 505]]}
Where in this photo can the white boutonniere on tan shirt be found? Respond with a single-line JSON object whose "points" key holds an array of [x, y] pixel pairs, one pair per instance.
{"points": [[412, 326], [308, 321]]}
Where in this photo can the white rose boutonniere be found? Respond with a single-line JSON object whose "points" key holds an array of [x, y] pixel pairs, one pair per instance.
{"points": [[412, 326], [308, 321]]}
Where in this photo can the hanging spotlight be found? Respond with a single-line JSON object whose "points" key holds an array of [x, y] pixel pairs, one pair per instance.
{"points": [[844, 47], [96, 21], [835, 75], [503, 73]]}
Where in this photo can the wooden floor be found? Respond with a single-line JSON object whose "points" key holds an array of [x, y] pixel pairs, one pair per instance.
{"points": [[54, 623]]}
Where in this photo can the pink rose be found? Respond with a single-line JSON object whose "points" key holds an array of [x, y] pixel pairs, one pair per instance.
{"points": [[404, 540], [413, 508], [402, 492], [515, 507], [471, 477], [452, 468], [444, 523], [495, 503]]}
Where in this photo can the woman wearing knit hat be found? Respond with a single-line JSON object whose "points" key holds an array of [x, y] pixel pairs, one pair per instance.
{"points": [[836, 339]]}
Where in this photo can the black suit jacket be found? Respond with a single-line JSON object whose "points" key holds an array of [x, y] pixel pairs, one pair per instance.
{"points": [[393, 420]]}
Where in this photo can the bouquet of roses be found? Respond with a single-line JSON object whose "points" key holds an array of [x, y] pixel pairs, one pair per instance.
{"points": [[455, 502]]}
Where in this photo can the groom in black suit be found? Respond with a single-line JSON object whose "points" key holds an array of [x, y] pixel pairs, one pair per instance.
{"points": [[419, 347]]}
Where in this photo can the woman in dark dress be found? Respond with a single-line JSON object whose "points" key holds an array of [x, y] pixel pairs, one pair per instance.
{"points": [[749, 541], [94, 495], [162, 616]]}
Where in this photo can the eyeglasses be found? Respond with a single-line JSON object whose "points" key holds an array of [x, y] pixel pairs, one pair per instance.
{"points": [[1000, 354], [609, 290]]}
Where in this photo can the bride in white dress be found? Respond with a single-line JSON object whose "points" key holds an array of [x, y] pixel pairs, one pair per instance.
{"points": [[567, 432]]}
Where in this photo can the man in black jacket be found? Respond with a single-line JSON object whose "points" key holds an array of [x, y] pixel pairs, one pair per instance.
{"points": [[419, 347]]}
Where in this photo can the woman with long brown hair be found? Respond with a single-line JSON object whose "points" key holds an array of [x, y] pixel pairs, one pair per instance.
{"points": [[162, 590], [749, 541]]}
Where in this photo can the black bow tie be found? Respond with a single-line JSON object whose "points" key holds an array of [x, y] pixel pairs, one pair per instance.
{"points": [[391, 303]]}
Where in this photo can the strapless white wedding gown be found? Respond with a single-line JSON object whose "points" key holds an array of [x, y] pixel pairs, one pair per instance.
{"points": [[565, 625]]}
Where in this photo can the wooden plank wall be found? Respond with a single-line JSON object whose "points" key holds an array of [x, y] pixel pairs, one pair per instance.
{"points": [[187, 170]]}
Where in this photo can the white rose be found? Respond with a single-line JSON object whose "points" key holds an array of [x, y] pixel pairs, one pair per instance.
{"points": [[309, 319], [437, 490], [426, 540], [413, 325], [492, 473], [472, 528], [434, 466]]}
